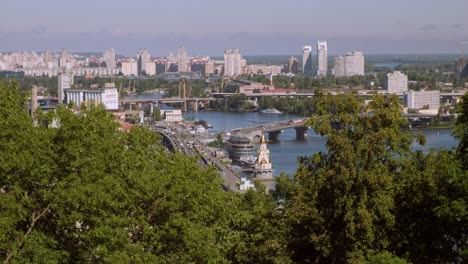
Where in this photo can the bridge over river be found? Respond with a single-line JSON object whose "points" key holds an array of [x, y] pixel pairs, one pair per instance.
{"points": [[273, 129]]}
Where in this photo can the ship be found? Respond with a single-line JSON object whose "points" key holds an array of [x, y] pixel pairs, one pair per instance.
{"points": [[270, 111]]}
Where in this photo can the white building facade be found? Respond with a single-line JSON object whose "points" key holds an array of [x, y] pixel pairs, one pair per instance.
{"points": [[108, 97], [232, 62], [322, 58], [396, 82], [349, 65], [423, 99]]}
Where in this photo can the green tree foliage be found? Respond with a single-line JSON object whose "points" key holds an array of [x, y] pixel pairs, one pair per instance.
{"points": [[461, 130], [368, 198], [77, 189], [341, 202]]}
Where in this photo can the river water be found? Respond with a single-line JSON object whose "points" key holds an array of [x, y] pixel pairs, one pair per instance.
{"points": [[285, 152]]}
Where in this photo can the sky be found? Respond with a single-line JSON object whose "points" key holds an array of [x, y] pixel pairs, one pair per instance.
{"points": [[256, 27]]}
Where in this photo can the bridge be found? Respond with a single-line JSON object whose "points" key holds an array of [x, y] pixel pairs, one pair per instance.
{"points": [[273, 129], [165, 100]]}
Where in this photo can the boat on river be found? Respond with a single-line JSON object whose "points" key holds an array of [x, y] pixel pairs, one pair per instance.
{"points": [[270, 111]]}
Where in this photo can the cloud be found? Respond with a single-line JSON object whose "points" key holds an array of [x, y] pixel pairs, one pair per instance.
{"points": [[456, 26], [429, 27]]}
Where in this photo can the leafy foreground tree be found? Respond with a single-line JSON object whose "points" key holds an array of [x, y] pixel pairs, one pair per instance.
{"points": [[461, 130], [368, 198], [77, 190]]}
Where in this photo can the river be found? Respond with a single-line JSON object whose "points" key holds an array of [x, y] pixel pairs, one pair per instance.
{"points": [[284, 153]]}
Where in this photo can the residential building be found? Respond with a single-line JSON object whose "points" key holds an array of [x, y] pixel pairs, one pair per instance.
{"points": [[143, 57], [47, 57], [129, 67], [396, 82], [150, 68], [307, 61], [423, 99], [109, 58], [64, 83], [349, 65], [161, 65], [293, 65], [182, 60], [63, 59], [262, 69], [322, 58], [233, 62]]}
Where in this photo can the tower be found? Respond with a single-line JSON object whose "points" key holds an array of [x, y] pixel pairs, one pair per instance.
{"points": [[109, 58], [143, 57], [182, 60], [322, 58], [263, 170], [307, 60]]}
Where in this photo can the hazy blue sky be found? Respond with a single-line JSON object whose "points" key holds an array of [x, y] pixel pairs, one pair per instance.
{"points": [[254, 26]]}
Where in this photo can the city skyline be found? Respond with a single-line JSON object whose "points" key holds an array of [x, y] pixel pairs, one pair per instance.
{"points": [[405, 27]]}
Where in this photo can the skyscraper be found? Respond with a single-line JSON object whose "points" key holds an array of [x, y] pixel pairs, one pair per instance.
{"points": [[293, 65], [322, 58], [307, 61], [233, 62], [182, 60], [143, 57], [349, 65], [109, 58]]}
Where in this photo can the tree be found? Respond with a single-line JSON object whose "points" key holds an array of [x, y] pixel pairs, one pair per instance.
{"points": [[83, 191], [461, 130], [339, 204]]}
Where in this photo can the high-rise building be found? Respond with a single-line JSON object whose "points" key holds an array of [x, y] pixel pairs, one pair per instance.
{"points": [[47, 57], [396, 82], [109, 58], [143, 57], [233, 62], [293, 65], [307, 61], [161, 65], [129, 67], [322, 58], [349, 65], [64, 82], [63, 59], [182, 60]]}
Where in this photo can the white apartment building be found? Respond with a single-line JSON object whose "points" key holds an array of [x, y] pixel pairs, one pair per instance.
{"points": [[349, 65], [129, 67], [143, 57], [421, 99], [307, 60], [233, 62], [182, 60], [109, 58], [64, 83], [151, 68], [322, 58], [396, 82]]}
